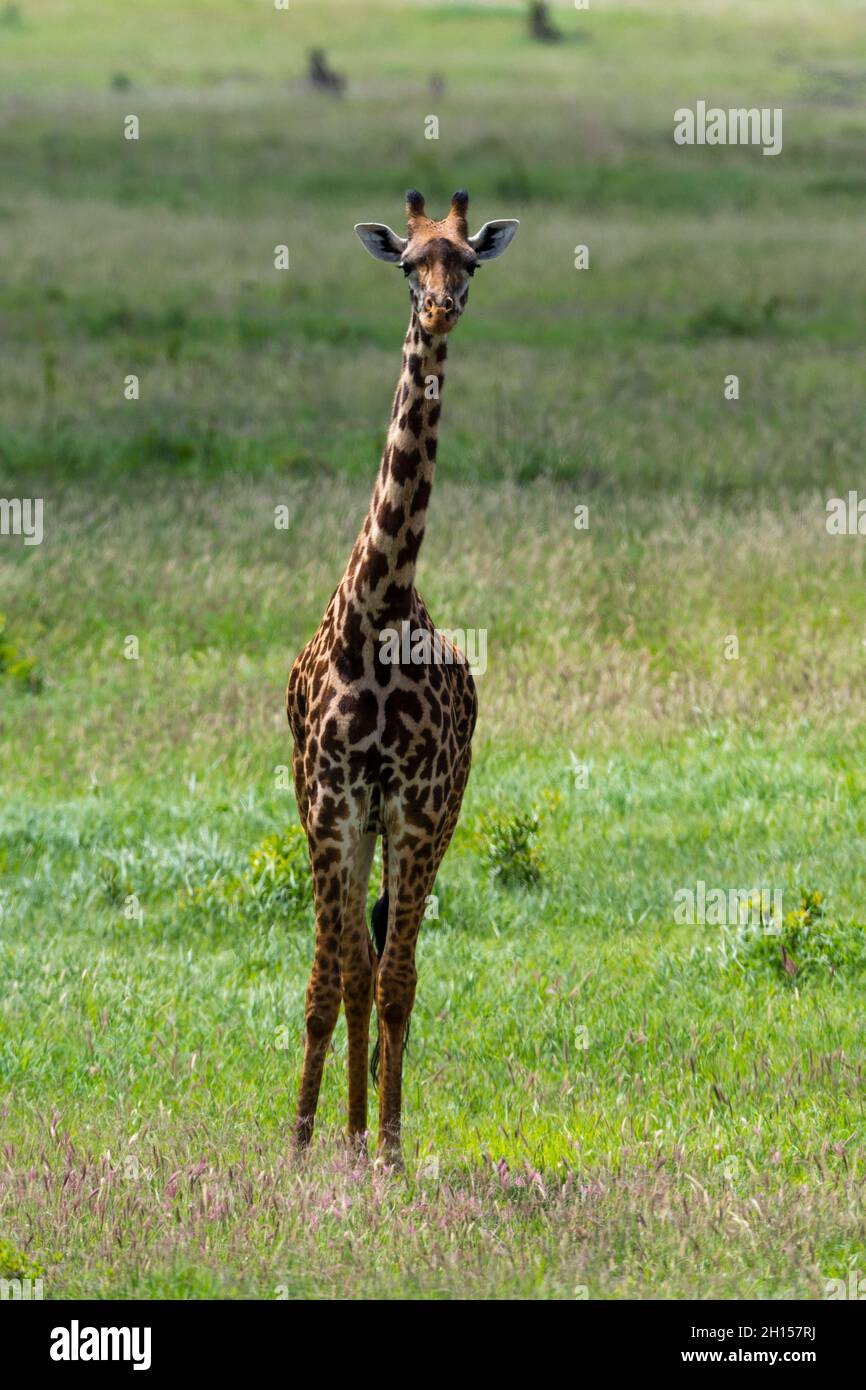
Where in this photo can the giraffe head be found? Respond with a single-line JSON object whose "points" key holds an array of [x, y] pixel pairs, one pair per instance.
{"points": [[438, 258]]}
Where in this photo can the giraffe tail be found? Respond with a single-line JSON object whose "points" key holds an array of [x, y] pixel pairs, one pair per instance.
{"points": [[379, 928], [379, 915], [377, 1051], [379, 922]]}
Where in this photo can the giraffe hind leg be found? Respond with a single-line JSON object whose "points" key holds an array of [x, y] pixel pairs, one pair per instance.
{"points": [[357, 973]]}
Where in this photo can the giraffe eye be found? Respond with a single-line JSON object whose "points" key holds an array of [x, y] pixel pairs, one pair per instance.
{"points": [[406, 269]]}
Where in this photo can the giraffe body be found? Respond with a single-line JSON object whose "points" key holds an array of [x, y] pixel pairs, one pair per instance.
{"points": [[383, 747]]}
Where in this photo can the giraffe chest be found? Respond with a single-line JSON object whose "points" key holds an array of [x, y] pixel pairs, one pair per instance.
{"points": [[371, 725]]}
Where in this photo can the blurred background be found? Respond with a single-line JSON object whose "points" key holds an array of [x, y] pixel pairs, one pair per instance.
{"points": [[262, 127], [158, 254]]}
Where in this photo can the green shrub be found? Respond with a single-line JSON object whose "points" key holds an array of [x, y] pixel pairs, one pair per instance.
{"points": [[808, 944], [511, 848], [15, 1264], [277, 884], [15, 667], [279, 875]]}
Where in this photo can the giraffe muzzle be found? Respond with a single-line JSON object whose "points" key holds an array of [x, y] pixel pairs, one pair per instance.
{"points": [[438, 313]]}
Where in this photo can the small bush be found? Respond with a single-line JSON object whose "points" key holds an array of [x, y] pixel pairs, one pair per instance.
{"points": [[808, 944], [15, 1264], [279, 875], [22, 670], [511, 848]]}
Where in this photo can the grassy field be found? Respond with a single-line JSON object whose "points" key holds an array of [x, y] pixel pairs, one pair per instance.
{"points": [[601, 1100]]}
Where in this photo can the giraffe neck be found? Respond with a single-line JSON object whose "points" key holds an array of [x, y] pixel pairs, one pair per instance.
{"points": [[381, 569]]}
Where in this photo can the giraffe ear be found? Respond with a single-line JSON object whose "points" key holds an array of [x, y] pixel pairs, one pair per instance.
{"points": [[493, 238], [380, 241]]}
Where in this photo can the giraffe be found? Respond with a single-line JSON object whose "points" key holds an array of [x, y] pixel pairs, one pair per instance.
{"points": [[382, 748]]}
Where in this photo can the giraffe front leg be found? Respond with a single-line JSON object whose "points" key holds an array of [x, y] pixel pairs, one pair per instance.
{"points": [[320, 1018], [330, 865], [410, 876]]}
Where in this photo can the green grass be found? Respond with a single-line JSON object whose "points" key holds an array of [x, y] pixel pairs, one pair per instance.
{"points": [[599, 1101]]}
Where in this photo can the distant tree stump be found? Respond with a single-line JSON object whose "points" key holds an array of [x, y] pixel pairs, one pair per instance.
{"points": [[323, 77], [541, 26]]}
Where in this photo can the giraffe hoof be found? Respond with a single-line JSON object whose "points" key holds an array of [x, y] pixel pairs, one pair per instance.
{"points": [[301, 1136]]}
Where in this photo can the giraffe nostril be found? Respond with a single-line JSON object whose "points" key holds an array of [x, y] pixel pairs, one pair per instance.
{"points": [[448, 304], [429, 303]]}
